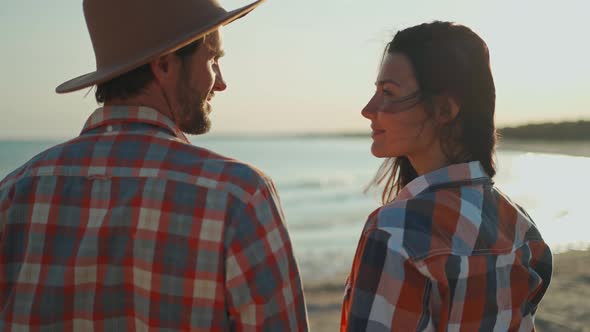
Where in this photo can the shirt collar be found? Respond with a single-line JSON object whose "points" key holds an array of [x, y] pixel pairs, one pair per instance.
{"points": [[125, 114], [471, 172]]}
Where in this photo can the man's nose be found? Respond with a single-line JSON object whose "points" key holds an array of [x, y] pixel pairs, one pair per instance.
{"points": [[219, 84]]}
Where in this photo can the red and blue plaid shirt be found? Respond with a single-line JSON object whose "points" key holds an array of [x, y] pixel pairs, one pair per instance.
{"points": [[129, 227], [450, 253]]}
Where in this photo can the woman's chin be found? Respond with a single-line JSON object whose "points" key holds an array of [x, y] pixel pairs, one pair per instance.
{"points": [[377, 151], [380, 151]]}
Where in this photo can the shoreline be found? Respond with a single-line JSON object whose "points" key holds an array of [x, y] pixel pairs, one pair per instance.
{"points": [[565, 306], [569, 148]]}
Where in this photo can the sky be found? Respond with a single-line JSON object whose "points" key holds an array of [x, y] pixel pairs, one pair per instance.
{"points": [[299, 66]]}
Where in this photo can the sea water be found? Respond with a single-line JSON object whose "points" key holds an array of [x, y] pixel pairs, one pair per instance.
{"points": [[322, 182]]}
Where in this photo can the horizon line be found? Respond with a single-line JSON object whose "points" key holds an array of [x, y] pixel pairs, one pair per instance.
{"points": [[286, 134]]}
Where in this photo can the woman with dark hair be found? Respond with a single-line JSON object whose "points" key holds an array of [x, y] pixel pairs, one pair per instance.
{"points": [[447, 251]]}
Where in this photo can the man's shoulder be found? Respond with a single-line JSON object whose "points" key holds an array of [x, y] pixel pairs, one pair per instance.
{"points": [[232, 174], [156, 157], [179, 161], [38, 160]]}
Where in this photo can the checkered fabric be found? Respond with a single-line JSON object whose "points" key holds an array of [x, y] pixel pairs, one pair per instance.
{"points": [[450, 253], [128, 227]]}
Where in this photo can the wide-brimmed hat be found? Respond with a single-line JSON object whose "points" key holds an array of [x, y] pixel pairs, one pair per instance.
{"points": [[127, 34]]}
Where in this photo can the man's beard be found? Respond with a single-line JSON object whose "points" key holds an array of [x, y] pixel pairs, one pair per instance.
{"points": [[194, 114]]}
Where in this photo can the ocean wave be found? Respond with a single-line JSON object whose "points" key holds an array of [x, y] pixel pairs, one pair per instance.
{"points": [[325, 200], [317, 183]]}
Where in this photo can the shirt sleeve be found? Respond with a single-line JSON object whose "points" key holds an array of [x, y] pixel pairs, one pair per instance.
{"points": [[388, 293], [5, 202], [263, 285]]}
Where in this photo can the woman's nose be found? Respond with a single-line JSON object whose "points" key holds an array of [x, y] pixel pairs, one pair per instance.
{"points": [[369, 110]]}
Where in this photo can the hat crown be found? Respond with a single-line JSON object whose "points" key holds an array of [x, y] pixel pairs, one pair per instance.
{"points": [[126, 34], [125, 29]]}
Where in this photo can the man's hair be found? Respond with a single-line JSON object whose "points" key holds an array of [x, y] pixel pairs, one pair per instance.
{"points": [[133, 82]]}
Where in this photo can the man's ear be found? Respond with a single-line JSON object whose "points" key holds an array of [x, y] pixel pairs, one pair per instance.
{"points": [[163, 68], [447, 110]]}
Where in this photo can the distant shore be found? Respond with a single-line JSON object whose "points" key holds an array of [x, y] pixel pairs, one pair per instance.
{"points": [[564, 308], [572, 148], [560, 131]]}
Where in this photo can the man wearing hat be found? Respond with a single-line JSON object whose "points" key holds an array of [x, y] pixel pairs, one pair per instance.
{"points": [[129, 226]]}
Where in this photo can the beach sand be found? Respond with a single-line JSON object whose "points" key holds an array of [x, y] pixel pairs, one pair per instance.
{"points": [[565, 307]]}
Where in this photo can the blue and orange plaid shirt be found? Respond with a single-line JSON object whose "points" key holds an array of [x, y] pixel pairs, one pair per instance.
{"points": [[129, 227], [450, 253]]}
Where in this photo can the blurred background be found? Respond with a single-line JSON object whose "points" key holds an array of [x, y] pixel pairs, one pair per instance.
{"points": [[298, 74]]}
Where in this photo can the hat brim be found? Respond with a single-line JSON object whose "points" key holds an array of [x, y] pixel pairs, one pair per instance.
{"points": [[105, 74]]}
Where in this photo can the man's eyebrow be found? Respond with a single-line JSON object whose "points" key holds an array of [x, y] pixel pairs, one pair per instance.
{"points": [[381, 82]]}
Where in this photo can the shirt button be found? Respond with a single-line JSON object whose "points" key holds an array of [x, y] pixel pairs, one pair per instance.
{"points": [[110, 128]]}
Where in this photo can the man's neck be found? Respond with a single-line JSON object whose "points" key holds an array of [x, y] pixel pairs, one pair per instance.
{"points": [[148, 99]]}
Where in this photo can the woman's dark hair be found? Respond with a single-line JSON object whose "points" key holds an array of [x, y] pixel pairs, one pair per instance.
{"points": [[132, 82], [448, 60]]}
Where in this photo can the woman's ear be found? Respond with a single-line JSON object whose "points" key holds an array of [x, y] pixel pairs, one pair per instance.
{"points": [[447, 110]]}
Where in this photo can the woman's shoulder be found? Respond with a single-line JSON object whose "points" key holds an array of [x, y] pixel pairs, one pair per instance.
{"points": [[462, 221], [418, 225], [419, 210]]}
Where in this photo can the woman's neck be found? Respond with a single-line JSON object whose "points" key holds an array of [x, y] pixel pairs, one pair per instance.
{"points": [[429, 160]]}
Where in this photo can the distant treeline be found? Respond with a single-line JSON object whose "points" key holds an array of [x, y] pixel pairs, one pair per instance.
{"points": [[562, 131]]}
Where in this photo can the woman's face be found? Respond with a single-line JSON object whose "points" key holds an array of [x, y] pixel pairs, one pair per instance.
{"points": [[399, 129]]}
